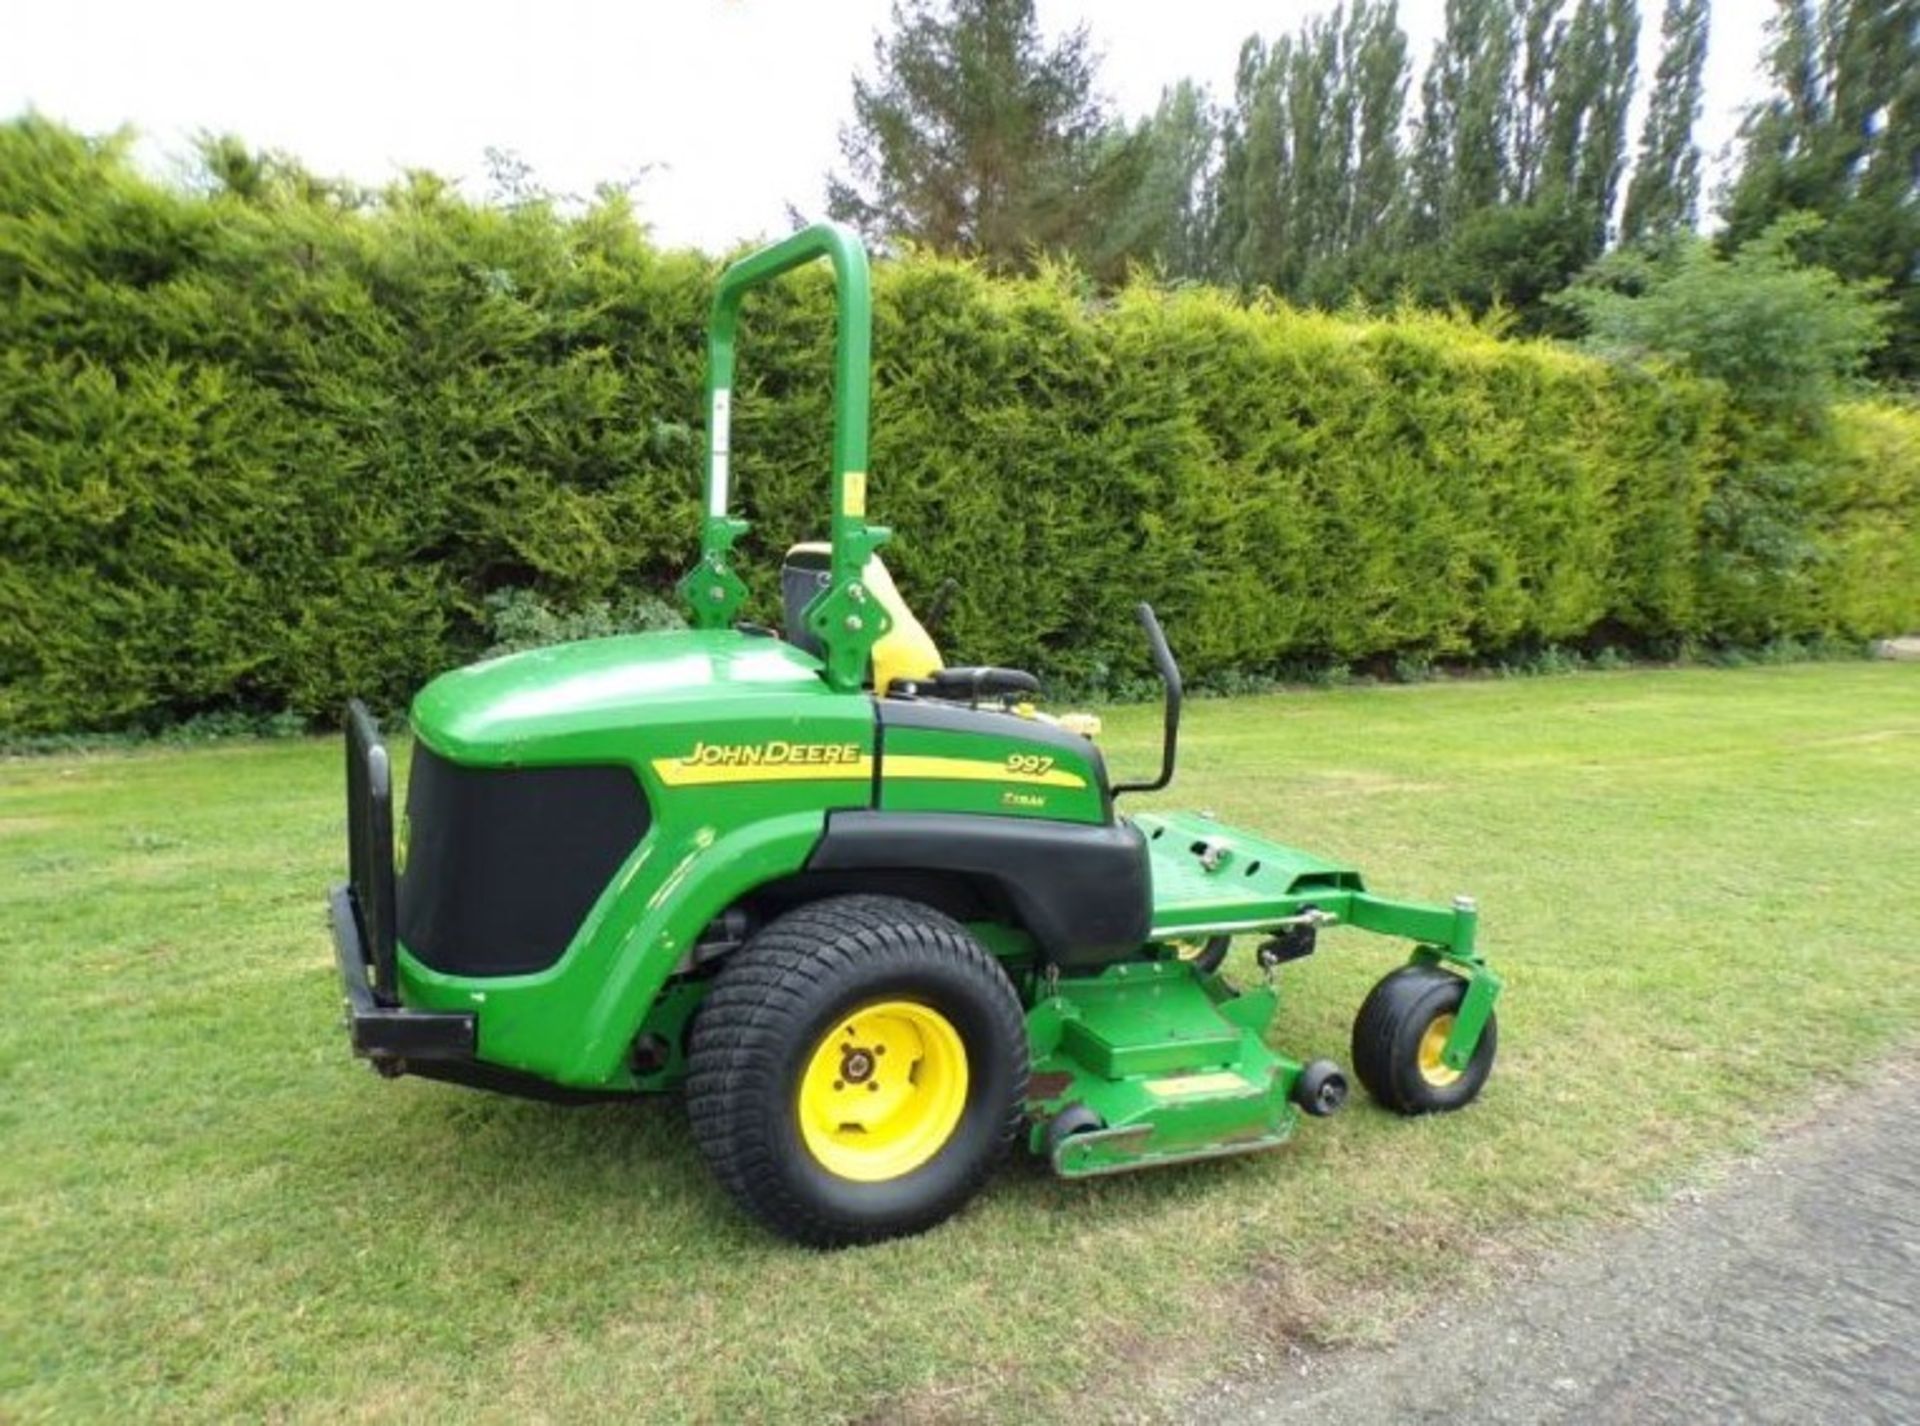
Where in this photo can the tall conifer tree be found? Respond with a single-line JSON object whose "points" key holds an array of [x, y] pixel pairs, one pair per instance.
{"points": [[1664, 195]]}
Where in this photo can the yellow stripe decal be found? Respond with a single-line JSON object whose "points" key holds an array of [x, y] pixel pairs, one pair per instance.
{"points": [[678, 772], [913, 765], [1180, 1086], [710, 771]]}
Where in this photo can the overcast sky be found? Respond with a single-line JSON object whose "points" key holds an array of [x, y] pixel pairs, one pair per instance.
{"points": [[731, 106]]}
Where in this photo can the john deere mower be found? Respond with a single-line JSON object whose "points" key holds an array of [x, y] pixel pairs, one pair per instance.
{"points": [[876, 916]]}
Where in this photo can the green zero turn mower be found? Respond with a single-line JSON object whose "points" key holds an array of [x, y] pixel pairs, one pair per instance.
{"points": [[876, 916]]}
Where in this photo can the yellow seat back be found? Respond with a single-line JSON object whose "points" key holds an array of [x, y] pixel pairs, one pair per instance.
{"points": [[905, 651]]}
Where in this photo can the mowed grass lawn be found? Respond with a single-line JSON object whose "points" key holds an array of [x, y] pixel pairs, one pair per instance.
{"points": [[1701, 885]]}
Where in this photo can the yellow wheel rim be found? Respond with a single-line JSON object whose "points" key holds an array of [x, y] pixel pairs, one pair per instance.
{"points": [[883, 1091], [1434, 1070]]}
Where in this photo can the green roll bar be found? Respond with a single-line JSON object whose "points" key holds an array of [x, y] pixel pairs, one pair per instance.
{"points": [[845, 619]]}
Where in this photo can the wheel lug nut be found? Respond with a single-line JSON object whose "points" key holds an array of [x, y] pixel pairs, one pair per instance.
{"points": [[839, 1084]]}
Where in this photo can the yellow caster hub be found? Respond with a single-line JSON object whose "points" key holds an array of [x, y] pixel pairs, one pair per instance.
{"points": [[1434, 1070]]}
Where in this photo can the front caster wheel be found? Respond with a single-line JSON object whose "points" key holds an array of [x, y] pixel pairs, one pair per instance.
{"points": [[1399, 1033], [857, 1070], [1321, 1088]]}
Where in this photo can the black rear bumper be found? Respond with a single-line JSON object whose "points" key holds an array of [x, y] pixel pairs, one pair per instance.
{"points": [[392, 1036], [362, 912], [433, 1044]]}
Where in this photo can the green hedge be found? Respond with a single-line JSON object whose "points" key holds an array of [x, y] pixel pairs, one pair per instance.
{"points": [[269, 444]]}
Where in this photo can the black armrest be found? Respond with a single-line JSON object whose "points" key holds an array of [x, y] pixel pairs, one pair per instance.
{"points": [[974, 684]]}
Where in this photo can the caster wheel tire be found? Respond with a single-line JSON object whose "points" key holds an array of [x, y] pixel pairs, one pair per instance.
{"points": [[1321, 1088], [857, 1070], [1074, 1119], [1399, 1034]]}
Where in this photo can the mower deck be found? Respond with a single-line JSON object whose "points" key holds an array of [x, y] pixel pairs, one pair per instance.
{"points": [[1211, 879], [1169, 1065], [1165, 1062]]}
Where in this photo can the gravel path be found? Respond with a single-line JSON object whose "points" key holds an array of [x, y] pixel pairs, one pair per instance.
{"points": [[1790, 1294]]}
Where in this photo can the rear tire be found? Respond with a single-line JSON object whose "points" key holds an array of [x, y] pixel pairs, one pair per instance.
{"points": [[1396, 1039], [807, 1120]]}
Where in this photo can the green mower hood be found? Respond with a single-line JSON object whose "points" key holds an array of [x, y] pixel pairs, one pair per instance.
{"points": [[585, 699]]}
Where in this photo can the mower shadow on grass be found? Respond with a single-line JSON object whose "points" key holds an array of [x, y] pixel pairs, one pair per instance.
{"points": [[435, 1143], [479, 1158], [635, 1155]]}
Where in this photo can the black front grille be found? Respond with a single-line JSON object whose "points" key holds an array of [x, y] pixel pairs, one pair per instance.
{"points": [[503, 864]]}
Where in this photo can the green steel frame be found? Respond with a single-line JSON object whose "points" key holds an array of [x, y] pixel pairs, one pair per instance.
{"points": [[843, 618]]}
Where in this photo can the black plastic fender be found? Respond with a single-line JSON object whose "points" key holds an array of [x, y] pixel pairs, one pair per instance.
{"points": [[1082, 891]]}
